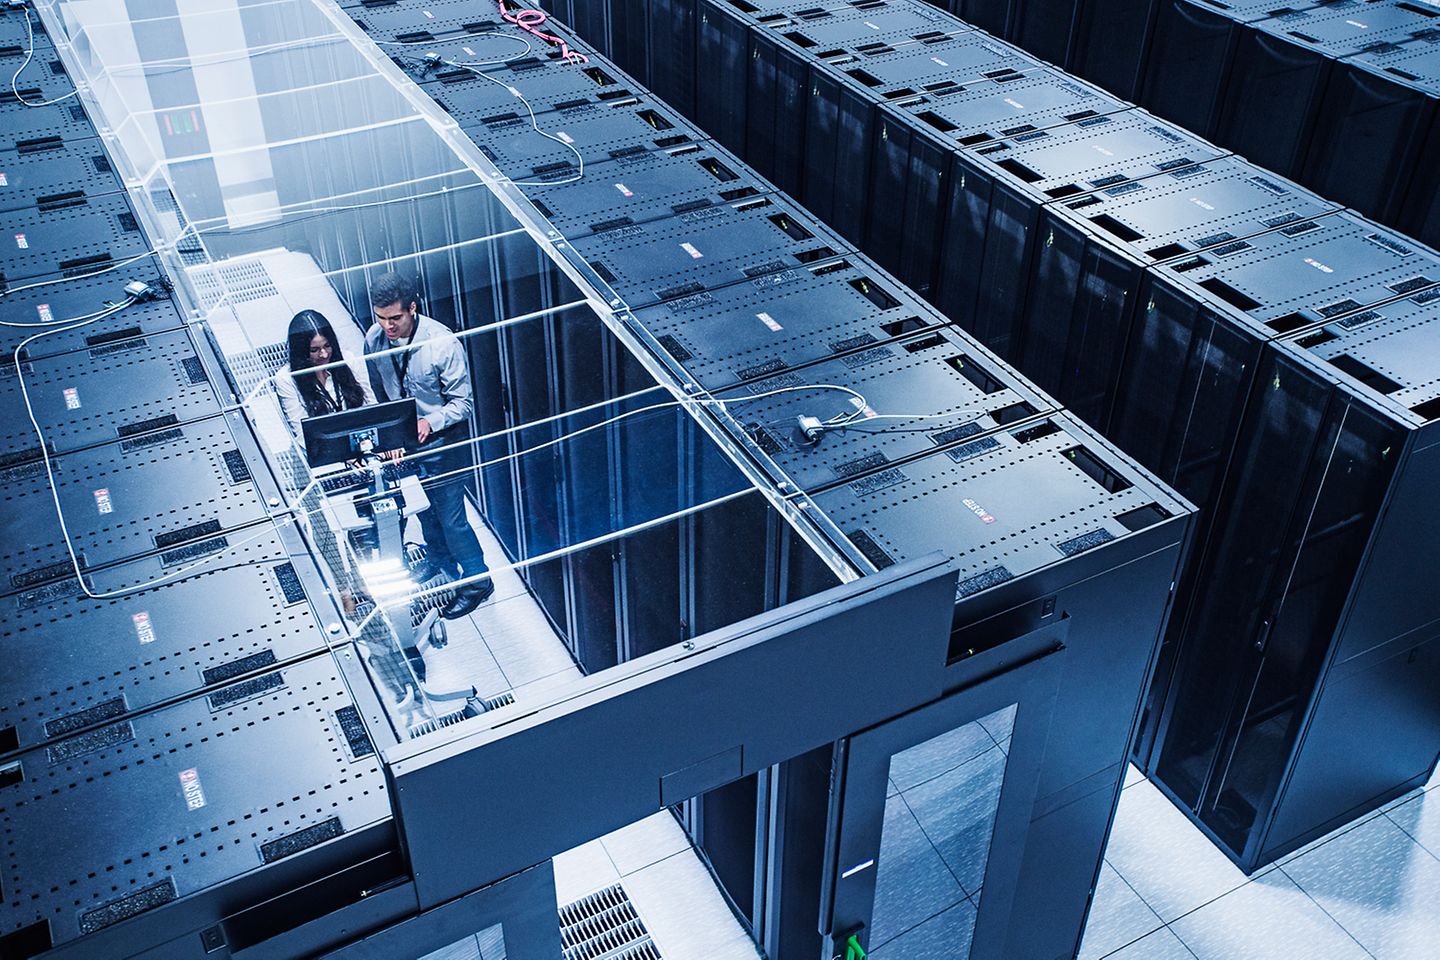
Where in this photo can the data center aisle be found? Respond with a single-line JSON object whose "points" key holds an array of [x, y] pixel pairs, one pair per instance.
{"points": [[1368, 890]]}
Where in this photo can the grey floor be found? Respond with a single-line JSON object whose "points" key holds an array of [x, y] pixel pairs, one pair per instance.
{"points": [[1369, 890]]}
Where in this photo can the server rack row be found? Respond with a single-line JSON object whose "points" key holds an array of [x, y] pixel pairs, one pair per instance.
{"points": [[753, 297], [1097, 251], [167, 676]]}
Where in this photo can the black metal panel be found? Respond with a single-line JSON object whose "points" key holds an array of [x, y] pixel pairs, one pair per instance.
{"points": [[934, 389], [110, 824], [55, 174], [159, 490], [751, 330], [70, 241], [1109, 40], [109, 390], [721, 50], [545, 84], [77, 662], [597, 129], [707, 248], [41, 103], [640, 186]]}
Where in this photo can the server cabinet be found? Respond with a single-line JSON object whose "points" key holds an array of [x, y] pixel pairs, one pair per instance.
{"points": [[639, 186], [70, 239], [108, 825], [545, 84], [597, 129], [155, 491], [55, 305], [1421, 216], [1301, 698], [1369, 144], [118, 388], [748, 331], [899, 401], [1096, 252], [997, 190], [41, 103], [1281, 69], [1046, 520], [1190, 55], [722, 47], [55, 173], [707, 248], [1044, 29], [1108, 45], [79, 663]]}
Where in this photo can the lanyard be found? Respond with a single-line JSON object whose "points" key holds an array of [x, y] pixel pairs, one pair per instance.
{"points": [[402, 366]]}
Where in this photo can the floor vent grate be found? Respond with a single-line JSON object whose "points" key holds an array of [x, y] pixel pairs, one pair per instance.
{"points": [[605, 926]]}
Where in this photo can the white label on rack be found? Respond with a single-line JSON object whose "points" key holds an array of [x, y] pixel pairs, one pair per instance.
{"points": [[21, 242], [190, 784], [143, 629], [102, 500], [1015, 103], [564, 136], [690, 249], [428, 14], [1319, 266], [4, 180], [1097, 147], [769, 321], [872, 26], [1202, 204], [939, 61], [624, 190], [45, 315], [72, 398]]}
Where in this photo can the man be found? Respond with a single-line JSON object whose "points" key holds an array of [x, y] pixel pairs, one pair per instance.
{"points": [[434, 372]]}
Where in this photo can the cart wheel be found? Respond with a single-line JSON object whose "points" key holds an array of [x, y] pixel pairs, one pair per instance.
{"points": [[438, 635]]}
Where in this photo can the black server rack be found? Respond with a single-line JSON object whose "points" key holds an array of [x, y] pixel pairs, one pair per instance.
{"points": [[1047, 520], [705, 248], [1191, 49], [41, 102], [597, 129], [55, 173], [910, 396], [78, 662], [996, 194], [1109, 39], [1276, 83], [116, 389], [912, 154], [1304, 699], [1086, 278], [721, 55], [545, 84], [639, 186], [1369, 147], [70, 240], [750, 331], [152, 492], [56, 304], [109, 824], [1042, 28]]}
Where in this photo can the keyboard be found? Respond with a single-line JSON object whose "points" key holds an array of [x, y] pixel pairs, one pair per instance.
{"points": [[355, 479]]}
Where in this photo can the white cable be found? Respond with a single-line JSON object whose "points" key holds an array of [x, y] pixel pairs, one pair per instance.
{"points": [[30, 55], [534, 125]]}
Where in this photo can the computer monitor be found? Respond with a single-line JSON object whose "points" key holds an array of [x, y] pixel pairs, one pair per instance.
{"points": [[337, 437]]}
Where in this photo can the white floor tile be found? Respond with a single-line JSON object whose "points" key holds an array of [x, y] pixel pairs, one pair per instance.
{"points": [[1268, 919], [645, 842], [1333, 834], [521, 640], [1381, 886], [1434, 779], [1169, 863], [1133, 775], [1420, 818], [1160, 945], [1117, 917], [684, 912], [581, 871]]}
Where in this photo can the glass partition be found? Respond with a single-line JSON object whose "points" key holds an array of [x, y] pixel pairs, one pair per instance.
{"points": [[520, 496]]}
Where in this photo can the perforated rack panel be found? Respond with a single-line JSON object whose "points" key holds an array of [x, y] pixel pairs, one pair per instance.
{"points": [[957, 57], [110, 390], [707, 248], [546, 84], [597, 129], [50, 175], [69, 241], [20, 124], [407, 19], [934, 389], [47, 308], [76, 662], [810, 26], [750, 330], [641, 186], [1391, 349], [129, 817], [155, 491]]}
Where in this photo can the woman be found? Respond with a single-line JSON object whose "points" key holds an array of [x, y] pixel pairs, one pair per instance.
{"points": [[313, 344]]}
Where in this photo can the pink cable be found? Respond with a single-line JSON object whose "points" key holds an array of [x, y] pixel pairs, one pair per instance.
{"points": [[530, 21]]}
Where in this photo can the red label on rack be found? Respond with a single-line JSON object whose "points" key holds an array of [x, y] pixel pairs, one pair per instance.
{"points": [[143, 628], [624, 190], [190, 785], [21, 241], [72, 398], [45, 315], [770, 322], [102, 500], [4, 180]]}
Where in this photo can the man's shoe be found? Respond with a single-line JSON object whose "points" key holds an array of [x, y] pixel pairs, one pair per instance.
{"points": [[427, 570], [467, 599]]}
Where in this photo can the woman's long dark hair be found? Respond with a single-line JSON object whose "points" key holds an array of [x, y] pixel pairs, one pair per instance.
{"points": [[304, 327]]}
